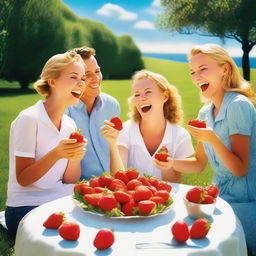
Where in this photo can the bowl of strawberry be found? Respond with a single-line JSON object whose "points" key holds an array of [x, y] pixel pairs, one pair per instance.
{"points": [[124, 195], [201, 201]]}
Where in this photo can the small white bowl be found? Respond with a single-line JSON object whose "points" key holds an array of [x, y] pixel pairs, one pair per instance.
{"points": [[196, 211]]}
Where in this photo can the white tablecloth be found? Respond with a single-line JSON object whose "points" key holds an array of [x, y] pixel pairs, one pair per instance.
{"points": [[226, 236]]}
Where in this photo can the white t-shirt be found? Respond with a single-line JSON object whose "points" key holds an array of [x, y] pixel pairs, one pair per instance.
{"points": [[32, 134], [176, 139]]}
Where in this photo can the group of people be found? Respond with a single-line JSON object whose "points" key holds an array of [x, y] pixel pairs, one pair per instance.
{"points": [[45, 163]]}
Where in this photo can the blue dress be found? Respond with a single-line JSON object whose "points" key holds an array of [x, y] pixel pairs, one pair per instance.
{"points": [[237, 115], [97, 157]]}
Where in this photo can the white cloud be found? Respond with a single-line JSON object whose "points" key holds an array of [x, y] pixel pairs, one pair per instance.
{"points": [[144, 24], [159, 47], [156, 3], [111, 10], [154, 8]]}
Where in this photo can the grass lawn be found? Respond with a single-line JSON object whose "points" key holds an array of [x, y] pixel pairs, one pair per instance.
{"points": [[177, 73]]}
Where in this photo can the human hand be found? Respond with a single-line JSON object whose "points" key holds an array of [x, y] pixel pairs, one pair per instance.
{"points": [[71, 149], [202, 134], [109, 132], [165, 166]]}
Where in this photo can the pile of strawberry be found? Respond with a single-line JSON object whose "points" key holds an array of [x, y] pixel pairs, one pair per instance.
{"points": [[125, 194], [202, 195]]}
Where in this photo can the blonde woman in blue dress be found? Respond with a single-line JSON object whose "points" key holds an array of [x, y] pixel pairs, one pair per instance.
{"points": [[229, 141]]}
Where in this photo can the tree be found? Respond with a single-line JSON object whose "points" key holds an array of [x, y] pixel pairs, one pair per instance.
{"points": [[235, 19]]}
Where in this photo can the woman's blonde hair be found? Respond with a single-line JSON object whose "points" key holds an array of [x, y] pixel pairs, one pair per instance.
{"points": [[232, 81], [172, 107], [53, 68]]}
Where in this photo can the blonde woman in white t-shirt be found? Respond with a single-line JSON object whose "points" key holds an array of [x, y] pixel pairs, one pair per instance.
{"points": [[155, 119], [44, 162]]}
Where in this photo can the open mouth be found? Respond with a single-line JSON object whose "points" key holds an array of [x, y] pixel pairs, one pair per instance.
{"points": [[94, 86], [204, 86], [145, 108], [76, 93]]}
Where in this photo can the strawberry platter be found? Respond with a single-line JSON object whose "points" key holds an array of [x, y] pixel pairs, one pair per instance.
{"points": [[123, 196]]}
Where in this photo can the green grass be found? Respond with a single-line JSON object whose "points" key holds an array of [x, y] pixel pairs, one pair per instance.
{"points": [[177, 73]]}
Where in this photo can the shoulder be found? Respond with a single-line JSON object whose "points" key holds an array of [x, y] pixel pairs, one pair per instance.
{"points": [[29, 114], [204, 111], [106, 98], [177, 130], [240, 105]]}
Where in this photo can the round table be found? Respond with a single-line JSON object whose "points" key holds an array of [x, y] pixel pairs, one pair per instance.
{"points": [[226, 236]]}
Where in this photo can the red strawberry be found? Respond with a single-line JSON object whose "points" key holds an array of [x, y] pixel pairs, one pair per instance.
{"points": [[107, 203], [122, 197], [77, 134], [104, 239], [195, 194], [117, 122], [146, 206], [208, 199], [78, 187], [153, 181], [142, 193], [212, 190], [132, 184], [54, 220], [129, 207], [164, 186], [144, 181], [100, 189], [163, 193], [200, 228], [105, 180], [121, 175], [132, 174], [69, 231], [117, 184], [162, 154], [93, 199], [157, 199], [197, 123], [94, 182], [180, 231], [85, 189]]}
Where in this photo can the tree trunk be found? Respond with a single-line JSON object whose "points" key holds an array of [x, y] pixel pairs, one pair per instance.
{"points": [[245, 59]]}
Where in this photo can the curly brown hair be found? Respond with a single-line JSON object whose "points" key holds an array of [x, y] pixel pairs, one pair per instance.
{"points": [[85, 52], [172, 107]]}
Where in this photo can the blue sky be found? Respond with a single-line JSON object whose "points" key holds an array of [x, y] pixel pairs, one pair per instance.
{"points": [[137, 18]]}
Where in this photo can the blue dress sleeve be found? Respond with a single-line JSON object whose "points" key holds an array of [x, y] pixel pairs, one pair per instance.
{"points": [[240, 115]]}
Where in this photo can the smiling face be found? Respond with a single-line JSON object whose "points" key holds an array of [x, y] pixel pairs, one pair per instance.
{"points": [[148, 97], [93, 79], [69, 86], [207, 75]]}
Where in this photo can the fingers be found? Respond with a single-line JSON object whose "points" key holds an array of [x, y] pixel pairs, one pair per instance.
{"points": [[107, 122]]}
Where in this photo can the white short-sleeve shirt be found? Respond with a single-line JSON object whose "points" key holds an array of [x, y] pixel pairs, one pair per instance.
{"points": [[176, 139], [33, 135]]}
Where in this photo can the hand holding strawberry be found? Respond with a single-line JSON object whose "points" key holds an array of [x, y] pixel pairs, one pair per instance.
{"points": [[77, 134], [197, 123], [117, 123], [162, 154]]}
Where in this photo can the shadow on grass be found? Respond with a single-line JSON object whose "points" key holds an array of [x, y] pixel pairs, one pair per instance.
{"points": [[6, 243], [9, 92]]}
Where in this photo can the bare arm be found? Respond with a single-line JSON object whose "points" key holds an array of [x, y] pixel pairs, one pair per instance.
{"points": [[29, 171], [235, 160], [110, 134]]}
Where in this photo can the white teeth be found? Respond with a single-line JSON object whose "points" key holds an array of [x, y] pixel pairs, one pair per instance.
{"points": [[76, 92], [202, 84], [95, 86], [143, 106]]}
